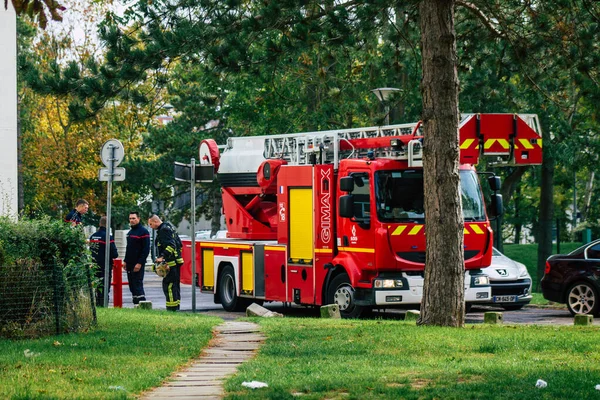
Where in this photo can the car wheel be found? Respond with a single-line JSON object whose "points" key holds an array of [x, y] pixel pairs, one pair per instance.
{"points": [[341, 293], [582, 298], [513, 307], [227, 290]]}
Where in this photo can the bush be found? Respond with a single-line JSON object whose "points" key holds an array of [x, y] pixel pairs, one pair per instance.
{"points": [[45, 279]]}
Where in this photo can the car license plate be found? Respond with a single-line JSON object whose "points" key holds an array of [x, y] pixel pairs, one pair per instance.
{"points": [[505, 299]]}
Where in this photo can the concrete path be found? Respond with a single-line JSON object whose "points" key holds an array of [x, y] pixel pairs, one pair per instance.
{"points": [[234, 343]]}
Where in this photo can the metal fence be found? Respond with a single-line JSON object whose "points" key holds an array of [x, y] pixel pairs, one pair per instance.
{"points": [[38, 300]]}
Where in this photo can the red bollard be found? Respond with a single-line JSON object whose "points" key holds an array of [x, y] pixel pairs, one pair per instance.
{"points": [[118, 283]]}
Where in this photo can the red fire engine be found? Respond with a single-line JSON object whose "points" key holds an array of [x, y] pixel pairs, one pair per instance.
{"points": [[337, 216]]}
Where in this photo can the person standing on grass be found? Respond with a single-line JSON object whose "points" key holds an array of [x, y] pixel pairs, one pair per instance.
{"points": [[168, 247], [98, 248], [136, 253], [75, 215]]}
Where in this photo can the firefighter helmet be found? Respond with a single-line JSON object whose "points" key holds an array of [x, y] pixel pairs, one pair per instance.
{"points": [[161, 269]]}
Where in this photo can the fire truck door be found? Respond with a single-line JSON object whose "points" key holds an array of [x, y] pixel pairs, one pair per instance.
{"points": [[301, 237]]}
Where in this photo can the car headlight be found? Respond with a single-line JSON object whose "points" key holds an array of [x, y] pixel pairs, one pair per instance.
{"points": [[481, 280], [388, 283], [522, 271]]}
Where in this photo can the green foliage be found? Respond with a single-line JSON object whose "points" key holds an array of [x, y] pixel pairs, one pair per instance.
{"points": [[45, 278]]}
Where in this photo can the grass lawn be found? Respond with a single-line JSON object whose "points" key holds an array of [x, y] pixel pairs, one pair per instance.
{"points": [[130, 351], [343, 359]]}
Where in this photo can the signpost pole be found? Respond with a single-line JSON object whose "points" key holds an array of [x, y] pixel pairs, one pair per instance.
{"points": [[193, 216], [111, 172]]}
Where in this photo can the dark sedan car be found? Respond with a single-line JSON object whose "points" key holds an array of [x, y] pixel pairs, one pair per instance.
{"points": [[574, 279]]}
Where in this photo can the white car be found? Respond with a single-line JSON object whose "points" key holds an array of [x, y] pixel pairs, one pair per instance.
{"points": [[510, 282], [205, 234]]}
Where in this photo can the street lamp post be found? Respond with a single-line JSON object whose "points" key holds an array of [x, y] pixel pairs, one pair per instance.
{"points": [[383, 95]]}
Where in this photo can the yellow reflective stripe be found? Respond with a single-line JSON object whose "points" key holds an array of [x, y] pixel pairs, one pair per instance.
{"points": [[503, 143], [173, 303], [466, 144], [226, 245], [275, 248], [525, 143], [466, 231], [476, 229], [171, 263], [179, 260], [356, 249], [170, 249], [415, 229], [323, 251], [170, 293], [399, 230]]}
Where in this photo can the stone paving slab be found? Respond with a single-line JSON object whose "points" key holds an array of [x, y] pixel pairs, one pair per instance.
{"points": [[234, 343]]}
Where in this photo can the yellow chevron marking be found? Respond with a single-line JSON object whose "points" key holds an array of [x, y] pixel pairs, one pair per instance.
{"points": [[466, 144], [476, 229], [503, 143], [466, 231], [488, 143], [415, 229], [399, 230], [525, 143]]}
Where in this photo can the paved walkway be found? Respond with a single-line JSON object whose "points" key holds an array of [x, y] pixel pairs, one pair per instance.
{"points": [[234, 343]]}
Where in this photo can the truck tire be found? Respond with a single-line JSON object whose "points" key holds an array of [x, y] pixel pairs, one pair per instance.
{"points": [[227, 290], [341, 293]]}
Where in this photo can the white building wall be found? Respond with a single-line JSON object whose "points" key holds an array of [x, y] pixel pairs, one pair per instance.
{"points": [[8, 111]]}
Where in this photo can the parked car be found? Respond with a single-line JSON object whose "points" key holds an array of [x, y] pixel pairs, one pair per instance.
{"points": [[573, 279], [205, 234], [510, 282]]}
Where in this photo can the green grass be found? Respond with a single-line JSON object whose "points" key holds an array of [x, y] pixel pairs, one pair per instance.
{"points": [[130, 351], [313, 359]]}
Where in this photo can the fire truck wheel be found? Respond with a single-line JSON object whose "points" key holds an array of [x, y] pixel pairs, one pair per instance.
{"points": [[341, 293], [227, 291]]}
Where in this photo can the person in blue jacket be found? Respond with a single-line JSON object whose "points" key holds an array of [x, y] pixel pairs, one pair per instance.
{"points": [[136, 253], [98, 249], [75, 215]]}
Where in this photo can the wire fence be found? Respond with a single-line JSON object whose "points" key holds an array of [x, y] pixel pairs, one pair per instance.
{"points": [[38, 300]]}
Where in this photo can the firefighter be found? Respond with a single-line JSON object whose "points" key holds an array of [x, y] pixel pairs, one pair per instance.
{"points": [[136, 253], [168, 247], [75, 215], [98, 248]]}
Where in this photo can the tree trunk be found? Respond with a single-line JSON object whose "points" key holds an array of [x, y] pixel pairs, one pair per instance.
{"points": [[546, 211], [443, 292]]}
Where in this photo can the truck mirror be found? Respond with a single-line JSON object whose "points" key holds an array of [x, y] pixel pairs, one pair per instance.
{"points": [[347, 184], [494, 182], [347, 205], [497, 206]]}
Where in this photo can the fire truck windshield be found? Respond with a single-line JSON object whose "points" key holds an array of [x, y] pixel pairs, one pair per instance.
{"points": [[399, 196]]}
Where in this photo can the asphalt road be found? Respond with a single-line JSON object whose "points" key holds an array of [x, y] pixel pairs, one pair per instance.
{"points": [[205, 305]]}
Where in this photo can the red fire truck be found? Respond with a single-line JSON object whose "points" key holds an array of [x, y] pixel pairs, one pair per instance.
{"points": [[337, 217]]}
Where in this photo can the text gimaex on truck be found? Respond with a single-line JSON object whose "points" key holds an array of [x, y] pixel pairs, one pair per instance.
{"points": [[337, 216]]}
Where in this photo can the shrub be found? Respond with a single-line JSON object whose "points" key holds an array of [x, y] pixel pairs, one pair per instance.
{"points": [[45, 280]]}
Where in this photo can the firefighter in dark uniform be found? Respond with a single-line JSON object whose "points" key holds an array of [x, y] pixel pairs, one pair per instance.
{"points": [[75, 215], [136, 253], [168, 248], [98, 248]]}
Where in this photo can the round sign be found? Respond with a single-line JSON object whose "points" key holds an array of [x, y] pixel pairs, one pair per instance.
{"points": [[209, 153], [107, 153]]}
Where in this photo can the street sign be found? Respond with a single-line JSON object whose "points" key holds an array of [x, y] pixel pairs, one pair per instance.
{"points": [[183, 172], [107, 153], [104, 174]]}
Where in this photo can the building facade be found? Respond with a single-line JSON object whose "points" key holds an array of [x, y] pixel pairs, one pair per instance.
{"points": [[8, 112]]}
